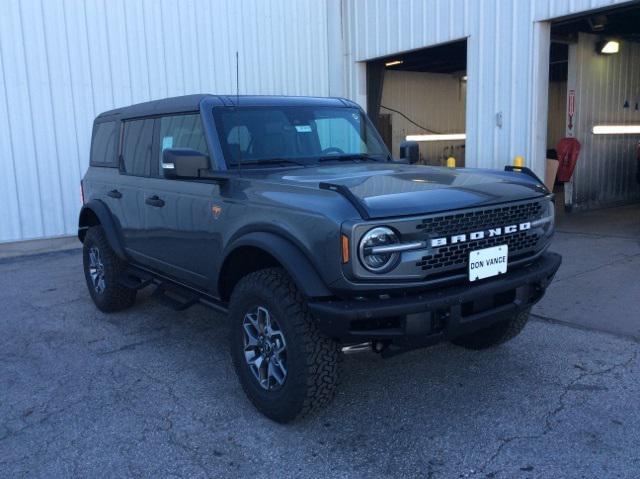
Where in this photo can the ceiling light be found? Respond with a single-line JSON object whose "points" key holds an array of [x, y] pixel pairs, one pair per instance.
{"points": [[464, 78], [394, 63], [616, 130], [438, 137], [608, 47]]}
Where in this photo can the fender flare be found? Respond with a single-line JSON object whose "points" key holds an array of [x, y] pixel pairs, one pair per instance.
{"points": [[111, 230], [292, 259]]}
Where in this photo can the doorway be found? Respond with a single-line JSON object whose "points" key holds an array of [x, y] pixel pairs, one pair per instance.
{"points": [[421, 95], [594, 108]]}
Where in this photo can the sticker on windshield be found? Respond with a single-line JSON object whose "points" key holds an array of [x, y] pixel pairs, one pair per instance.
{"points": [[167, 142], [303, 128]]}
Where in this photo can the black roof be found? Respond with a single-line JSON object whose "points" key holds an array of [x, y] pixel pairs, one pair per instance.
{"points": [[181, 104]]}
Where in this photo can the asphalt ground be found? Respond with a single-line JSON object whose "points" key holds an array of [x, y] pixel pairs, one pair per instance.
{"points": [[151, 393]]}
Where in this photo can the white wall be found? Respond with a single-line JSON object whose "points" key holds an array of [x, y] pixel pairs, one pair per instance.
{"points": [[433, 100], [507, 62], [606, 169], [64, 61]]}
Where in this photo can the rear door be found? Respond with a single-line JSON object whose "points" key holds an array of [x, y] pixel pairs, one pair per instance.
{"points": [[183, 234], [136, 169]]}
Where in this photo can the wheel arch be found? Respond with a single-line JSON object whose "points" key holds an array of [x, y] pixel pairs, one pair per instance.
{"points": [[259, 250], [95, 213]]}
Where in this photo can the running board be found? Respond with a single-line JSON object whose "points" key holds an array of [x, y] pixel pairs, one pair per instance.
{"points": [[175, 297], [169, 292], [134, 278]]}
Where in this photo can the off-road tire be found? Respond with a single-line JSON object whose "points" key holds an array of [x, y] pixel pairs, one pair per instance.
{"points": [[115, 296], [495, 334], [313, 359]]}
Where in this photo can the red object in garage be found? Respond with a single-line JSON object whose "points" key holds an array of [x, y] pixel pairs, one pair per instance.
{"points": [[568, 150]]}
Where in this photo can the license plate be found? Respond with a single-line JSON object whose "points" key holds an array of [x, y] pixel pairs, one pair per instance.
{"points": [[487, 262]]}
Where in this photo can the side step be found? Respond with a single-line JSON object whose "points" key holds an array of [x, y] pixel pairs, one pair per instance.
{"points": [[174, 297], [134, 278]]}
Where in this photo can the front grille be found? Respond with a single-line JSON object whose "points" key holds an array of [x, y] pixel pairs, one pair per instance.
{"points": [[452, 257], [458, 254], [481, 219]]}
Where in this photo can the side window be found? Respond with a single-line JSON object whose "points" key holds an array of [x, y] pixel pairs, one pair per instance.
{"points": [[103, 144], [182, 131], [339, 133], [136, 147]]}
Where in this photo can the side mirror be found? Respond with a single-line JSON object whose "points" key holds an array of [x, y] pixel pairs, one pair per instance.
{"points": [[410, 151], [183, 163]]}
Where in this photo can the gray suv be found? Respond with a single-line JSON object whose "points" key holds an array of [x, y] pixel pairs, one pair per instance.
{"points": [[289, 215]]}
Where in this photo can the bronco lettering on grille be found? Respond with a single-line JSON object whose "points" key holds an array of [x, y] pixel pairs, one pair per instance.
{"points": [[477, 235]]}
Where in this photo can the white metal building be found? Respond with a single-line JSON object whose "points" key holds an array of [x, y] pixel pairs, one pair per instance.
{"points": [[64, 61]]}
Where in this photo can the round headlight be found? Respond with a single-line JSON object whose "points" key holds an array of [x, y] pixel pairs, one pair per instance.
{"points": [[378, 261]]}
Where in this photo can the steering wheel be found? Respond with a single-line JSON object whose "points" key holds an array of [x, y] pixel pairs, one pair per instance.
{"points": [[332, 150]]}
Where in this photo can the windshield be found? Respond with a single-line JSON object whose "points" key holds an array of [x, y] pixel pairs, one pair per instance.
{"points": [[300, 135]]}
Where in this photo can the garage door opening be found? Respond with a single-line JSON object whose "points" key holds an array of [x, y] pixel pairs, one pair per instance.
{"points": [[421, 95], [594, 108]]}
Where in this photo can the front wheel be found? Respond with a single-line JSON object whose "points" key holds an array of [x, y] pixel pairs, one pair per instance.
{"points": [[495, 334], [286, 366]]}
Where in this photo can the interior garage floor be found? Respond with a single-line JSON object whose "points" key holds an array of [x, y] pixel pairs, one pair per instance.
{"points": [[598, 284]]}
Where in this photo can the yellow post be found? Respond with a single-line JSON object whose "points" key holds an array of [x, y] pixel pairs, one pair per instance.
{"points": [[451, 162], [518, 162]]}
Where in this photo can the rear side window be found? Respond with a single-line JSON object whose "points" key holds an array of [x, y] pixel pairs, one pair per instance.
{"points": [[182, 131], [136, 147], [103, 144]]}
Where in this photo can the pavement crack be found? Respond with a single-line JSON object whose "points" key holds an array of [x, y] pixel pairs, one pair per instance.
{"points": [[125, 347], [549, 417], [549, 319], [625, 257]]}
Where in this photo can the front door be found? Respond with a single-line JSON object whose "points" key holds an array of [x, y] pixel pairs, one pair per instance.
{"points": [[181, 216]]}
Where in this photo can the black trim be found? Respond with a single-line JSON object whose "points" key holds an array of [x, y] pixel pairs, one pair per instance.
{"points": [[523, 169], [107, 222], [289, 256], [414, 314], [348, 194]]}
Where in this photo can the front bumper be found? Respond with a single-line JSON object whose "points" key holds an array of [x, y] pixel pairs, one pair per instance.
{"points": [[433, 316]]}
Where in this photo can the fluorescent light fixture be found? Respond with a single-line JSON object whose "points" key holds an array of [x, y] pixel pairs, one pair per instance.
{"points": [[616, 130], [394, 63], [434, 137], [608, 47]]}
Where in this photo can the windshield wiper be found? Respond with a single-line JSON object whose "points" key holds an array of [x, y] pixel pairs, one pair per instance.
{"points": [[269, 161], [356, 158]]}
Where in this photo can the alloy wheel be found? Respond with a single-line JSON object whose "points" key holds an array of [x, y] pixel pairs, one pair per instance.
{"points": [[265, 348], [96, 270]]}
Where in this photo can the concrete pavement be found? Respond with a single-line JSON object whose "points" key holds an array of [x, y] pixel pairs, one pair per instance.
{"points": [[151, 393], [598, 285]]}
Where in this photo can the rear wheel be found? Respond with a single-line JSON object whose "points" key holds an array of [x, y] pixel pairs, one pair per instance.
{"points": [[286, 366], [102, 270], [495, 334]]}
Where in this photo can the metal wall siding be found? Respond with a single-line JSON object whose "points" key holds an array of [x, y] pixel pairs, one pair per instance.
{"points": [[504, 56], [62, 62]]}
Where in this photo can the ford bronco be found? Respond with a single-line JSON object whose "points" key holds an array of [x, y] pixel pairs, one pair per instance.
{"points": [[289, 215]]}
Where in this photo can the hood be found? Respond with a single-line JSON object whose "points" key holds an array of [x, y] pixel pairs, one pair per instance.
{"points": [[389, 189]]}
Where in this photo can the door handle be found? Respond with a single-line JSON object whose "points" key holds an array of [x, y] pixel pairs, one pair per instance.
{"points": [[154, 201], [115, 194]]}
